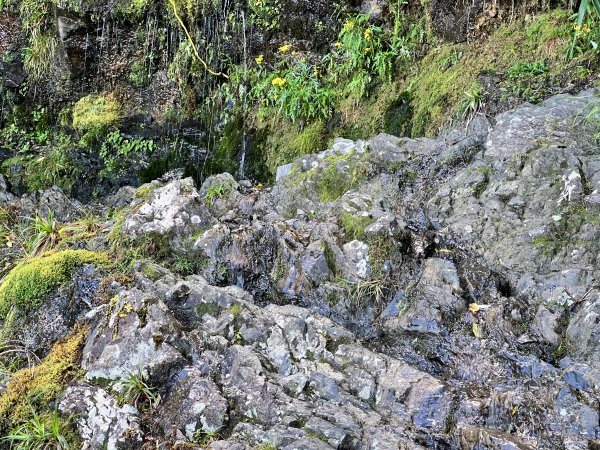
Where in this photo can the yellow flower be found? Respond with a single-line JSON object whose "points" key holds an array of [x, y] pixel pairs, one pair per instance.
{"points": [[338, 44], [260, 59], [316, 72], [285, 48], [279, 82], [367, 50], [348, 25], [368, 34]]}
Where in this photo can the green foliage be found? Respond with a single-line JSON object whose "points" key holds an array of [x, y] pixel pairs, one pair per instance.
{"points": [[96, 112], [135, 390], [26, 130], [217, 191], [587, 29], [40, 56], [47, 234], [471, 103], [117, 153], [265, 13], [133, 9], [438, 84], [525, 80], [28, 283], [139, 74], [297, 92], [363, 53], [40, 433]]}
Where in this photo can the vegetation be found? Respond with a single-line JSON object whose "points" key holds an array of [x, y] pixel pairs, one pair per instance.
{"points": [[29, 282], [33, 390], [40, 432], [135, 391], [96, 112], [118, 152], [216, 191]]}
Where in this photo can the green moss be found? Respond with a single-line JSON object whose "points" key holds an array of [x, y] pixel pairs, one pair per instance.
{"points": [[39, 386], [29, 282], [354, 225], [223, 158], [333, 181], [96, 112], [294, 143], [144, 191], [441, 80]]}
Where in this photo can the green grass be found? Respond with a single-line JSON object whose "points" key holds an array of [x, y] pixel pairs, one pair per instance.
{"points": [[40, 432]]}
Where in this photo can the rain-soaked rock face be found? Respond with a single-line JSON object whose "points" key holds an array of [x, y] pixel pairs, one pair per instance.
{"points": [[434, 293]]}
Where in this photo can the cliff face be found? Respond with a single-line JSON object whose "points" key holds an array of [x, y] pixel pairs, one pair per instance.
{"points": [[389, 293]]}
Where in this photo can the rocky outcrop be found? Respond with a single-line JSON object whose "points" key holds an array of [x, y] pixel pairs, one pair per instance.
{"points": [[392, 293]]}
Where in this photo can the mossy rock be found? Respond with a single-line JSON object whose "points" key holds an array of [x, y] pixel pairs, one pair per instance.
{"points": [[95, 112], [397, 119], [29, 282], [36, 388]]}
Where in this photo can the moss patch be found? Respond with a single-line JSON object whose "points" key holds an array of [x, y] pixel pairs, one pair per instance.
{"points": [[37, 388], [28, 283], [96, 112], [446, 73], [354, 225]]}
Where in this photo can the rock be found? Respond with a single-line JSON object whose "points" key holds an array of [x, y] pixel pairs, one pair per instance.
{"points": [[137, 337], [220, 194], [101, 423], [172, 214], [545, 323], [192, 405], [434, 298], [51, 200], [357, 266]]}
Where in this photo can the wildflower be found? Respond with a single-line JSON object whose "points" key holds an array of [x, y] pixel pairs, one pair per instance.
{"points": [[260, 59], [285, 48], [367, 50], [316, 72], [368, 34], [348, 25], [279, 82], [338, 44]]}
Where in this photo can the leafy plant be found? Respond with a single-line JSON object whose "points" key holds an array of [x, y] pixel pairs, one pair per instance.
{"points": [[525, 80], [135, 390], [47, 234], [588, 32], [117, 151], [471, 103], [216, 191], [297, 92], [39, 433]]}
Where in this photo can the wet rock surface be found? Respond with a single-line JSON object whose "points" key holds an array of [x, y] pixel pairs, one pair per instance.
{"points": [[393, 293]]}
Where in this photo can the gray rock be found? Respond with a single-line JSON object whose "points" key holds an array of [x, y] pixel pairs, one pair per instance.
{"points": [[193, 404], [172, 213], [101, 422]]}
